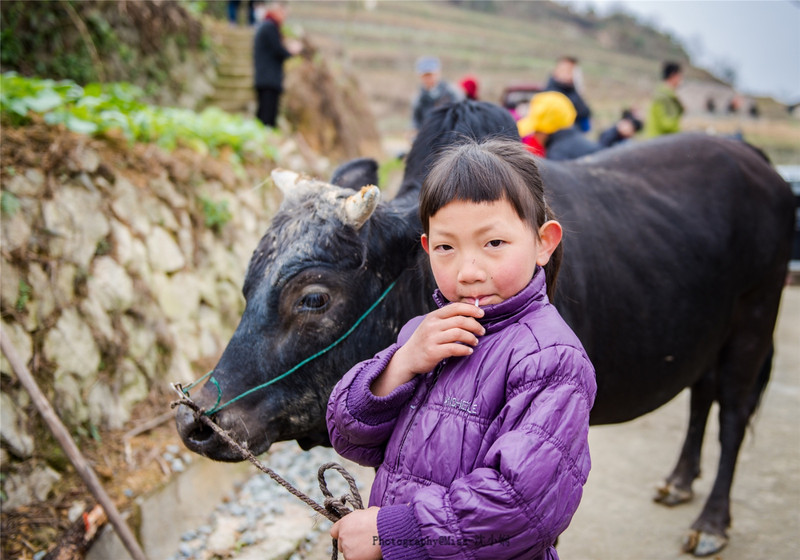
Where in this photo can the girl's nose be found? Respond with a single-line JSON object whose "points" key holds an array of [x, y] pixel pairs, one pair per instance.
{"points": [[471, 271]]}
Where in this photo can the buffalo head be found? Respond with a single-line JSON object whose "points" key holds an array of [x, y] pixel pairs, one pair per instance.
{"points": [[328, 255]]}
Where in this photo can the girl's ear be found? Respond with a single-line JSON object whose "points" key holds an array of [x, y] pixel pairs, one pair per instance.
{"points": [[549, 238], [424, 241]]}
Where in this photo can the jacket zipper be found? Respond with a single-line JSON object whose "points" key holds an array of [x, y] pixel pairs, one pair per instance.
{"points": [[416, 407]]}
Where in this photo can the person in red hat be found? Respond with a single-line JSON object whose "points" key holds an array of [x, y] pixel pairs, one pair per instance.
{"points": [[270, 50], [469, 84]]}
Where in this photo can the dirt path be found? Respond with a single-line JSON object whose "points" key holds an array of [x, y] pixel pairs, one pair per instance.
{"points": [[617, 518]]}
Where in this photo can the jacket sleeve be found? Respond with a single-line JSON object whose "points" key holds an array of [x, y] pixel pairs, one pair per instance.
{"points": [[360, 423], [525, 492]]}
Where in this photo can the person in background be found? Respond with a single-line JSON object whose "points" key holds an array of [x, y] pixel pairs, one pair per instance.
{"points": [[433, 91], [624, 129], [735, 104], [548, 129], [566, 78], [269, 53], [666, 109], [233, 12], [477, 418], [469, 84]]}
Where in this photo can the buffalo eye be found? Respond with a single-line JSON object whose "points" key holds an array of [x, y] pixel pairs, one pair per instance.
{"points": [[314, 301]]}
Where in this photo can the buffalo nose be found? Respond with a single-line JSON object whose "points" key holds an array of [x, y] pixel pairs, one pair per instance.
{"points": [[195, 434]]}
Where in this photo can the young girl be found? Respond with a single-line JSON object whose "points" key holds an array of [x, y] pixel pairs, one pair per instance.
{"points": [[477, 418]]}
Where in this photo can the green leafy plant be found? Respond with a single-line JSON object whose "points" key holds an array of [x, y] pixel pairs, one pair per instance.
{"points": [[24, 295], [216, 214], [9, 203], [388, 169], [112, 109]]}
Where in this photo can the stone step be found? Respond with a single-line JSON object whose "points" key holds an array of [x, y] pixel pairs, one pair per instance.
{"points": [[235, 72], [234, 82], [235, 32], [242, 44], [234, 56], [238, 92]]}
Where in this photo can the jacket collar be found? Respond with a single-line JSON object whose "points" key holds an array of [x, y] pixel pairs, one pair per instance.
{"points": [[500, 315]]}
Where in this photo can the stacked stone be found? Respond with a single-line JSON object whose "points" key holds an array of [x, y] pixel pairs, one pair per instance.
{"points": [[112, 284]]}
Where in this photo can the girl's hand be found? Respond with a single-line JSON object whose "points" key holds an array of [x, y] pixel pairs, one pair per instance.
{"points": [[357, 533], [450, 331]]}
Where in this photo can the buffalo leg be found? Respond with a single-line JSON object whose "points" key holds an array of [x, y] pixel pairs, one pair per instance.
{"points": [[738, 399], [677, 488]]}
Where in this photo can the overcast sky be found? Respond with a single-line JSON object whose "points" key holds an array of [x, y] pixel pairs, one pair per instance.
{"points": [[758, 39]]}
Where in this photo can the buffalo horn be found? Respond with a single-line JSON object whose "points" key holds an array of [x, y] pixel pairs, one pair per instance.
{"points": [[359, 207]]}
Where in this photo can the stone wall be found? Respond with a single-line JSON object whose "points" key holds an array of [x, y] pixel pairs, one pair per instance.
{"points": [[115, 278]]}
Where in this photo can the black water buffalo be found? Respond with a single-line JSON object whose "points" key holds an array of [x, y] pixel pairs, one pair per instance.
{"points": [[675, 255]]}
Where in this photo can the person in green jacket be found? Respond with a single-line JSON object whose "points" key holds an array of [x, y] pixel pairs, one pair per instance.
{"points": [[666, 109]]}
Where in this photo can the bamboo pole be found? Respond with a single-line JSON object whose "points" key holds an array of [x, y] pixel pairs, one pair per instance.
{"points": [[76, 458]]}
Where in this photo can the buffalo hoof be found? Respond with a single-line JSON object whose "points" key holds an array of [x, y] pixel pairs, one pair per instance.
{"points": [[671, 495], [701, 543]]}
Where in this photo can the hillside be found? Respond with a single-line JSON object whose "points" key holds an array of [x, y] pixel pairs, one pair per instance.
{"points": [[381, 44], [507, 42]]}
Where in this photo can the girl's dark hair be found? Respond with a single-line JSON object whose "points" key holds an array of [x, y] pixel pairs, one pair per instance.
{"points": [[487, 171]]}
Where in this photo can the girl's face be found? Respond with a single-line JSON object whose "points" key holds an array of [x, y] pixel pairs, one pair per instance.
{"points": [[484, 251]]}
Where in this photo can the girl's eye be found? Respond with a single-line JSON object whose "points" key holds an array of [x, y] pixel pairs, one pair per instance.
{"points": [[443, 248], [496, 242], [314, 301]]}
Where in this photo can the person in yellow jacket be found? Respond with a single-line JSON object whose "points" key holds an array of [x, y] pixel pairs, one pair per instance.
{"points": [[549, 128], [666, 109]]}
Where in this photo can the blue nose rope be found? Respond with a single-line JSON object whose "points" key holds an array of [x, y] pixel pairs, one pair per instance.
{"points": [[217, 407]]}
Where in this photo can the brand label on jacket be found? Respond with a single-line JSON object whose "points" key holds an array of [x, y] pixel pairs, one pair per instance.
{"points": [[467, 406]]}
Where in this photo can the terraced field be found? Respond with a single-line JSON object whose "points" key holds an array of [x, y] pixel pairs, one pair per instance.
{"points": [[620, 58]]}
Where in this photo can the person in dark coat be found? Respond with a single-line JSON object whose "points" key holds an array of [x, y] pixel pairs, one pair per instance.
{"points": [[624, 129], [433, 91], [563, 80], [233, 12], [548, 128], [569, 143], [269, 54]]}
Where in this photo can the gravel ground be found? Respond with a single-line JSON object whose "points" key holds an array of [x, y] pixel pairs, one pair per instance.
{"points": [[260, 519]]}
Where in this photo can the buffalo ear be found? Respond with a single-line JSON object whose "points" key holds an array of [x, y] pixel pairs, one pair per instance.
{"points": [[356, 173], [359, 207]]}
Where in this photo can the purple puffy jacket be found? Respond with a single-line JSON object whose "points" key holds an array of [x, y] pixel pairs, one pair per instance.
{"points": [[487, 455]]}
